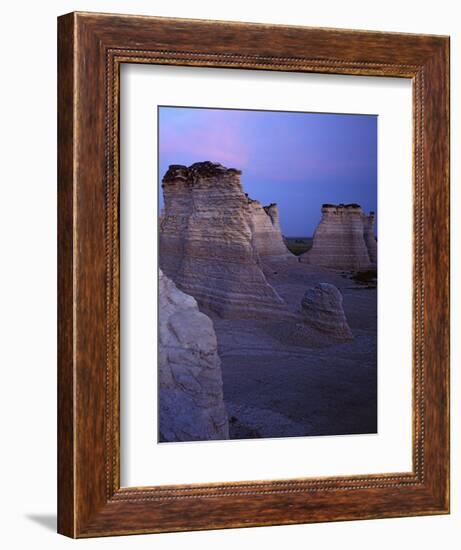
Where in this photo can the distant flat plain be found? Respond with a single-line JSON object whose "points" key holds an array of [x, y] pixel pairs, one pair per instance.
{"points": [[298, 245]]}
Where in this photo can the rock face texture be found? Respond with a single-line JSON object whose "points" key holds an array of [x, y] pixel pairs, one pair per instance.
{"points": [[267, 237], [190, 379], [368, 235], [343, 239], [322, 308], [213, 239]]}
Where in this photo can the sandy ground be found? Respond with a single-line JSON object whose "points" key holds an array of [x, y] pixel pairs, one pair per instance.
{"points": [[278, 385]]}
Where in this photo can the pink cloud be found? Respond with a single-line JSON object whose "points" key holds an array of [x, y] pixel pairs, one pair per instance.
{"points": [[212, 135]]}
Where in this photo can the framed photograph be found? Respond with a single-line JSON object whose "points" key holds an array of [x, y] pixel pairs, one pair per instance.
{"points": [[253, 259]]}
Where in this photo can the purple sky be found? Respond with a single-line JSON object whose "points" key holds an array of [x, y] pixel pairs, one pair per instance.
{"points": [[298, 160]]}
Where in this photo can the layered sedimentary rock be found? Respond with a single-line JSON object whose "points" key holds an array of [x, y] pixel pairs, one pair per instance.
{"points": [[322, 309], [211, 241], [343, 239], [190, 380], [369, 236], [267, 237]]}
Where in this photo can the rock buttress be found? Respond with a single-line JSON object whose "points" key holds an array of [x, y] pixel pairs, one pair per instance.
{"points": [[191, 403], [266, 235], [206, 242], [343, 239]]}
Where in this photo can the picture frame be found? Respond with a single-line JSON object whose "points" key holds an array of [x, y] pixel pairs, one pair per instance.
{"points": [[91, 49]]}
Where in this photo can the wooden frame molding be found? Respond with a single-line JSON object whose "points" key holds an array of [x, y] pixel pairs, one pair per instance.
{"points": [[91, 48]]}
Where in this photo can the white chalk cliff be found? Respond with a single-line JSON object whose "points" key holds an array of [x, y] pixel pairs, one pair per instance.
{"points": [[214, 240], [191, 403], [267, 237], [344, 239], [368, 235]]}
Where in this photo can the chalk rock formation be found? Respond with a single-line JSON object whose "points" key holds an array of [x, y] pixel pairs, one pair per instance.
{"points": [[322, 308], [267, 237], [368, 235], [343, 239], [189, 374], [210, 234]]}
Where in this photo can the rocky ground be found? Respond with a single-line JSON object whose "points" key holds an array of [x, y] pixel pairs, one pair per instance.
{"points": [[278, 384]]}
